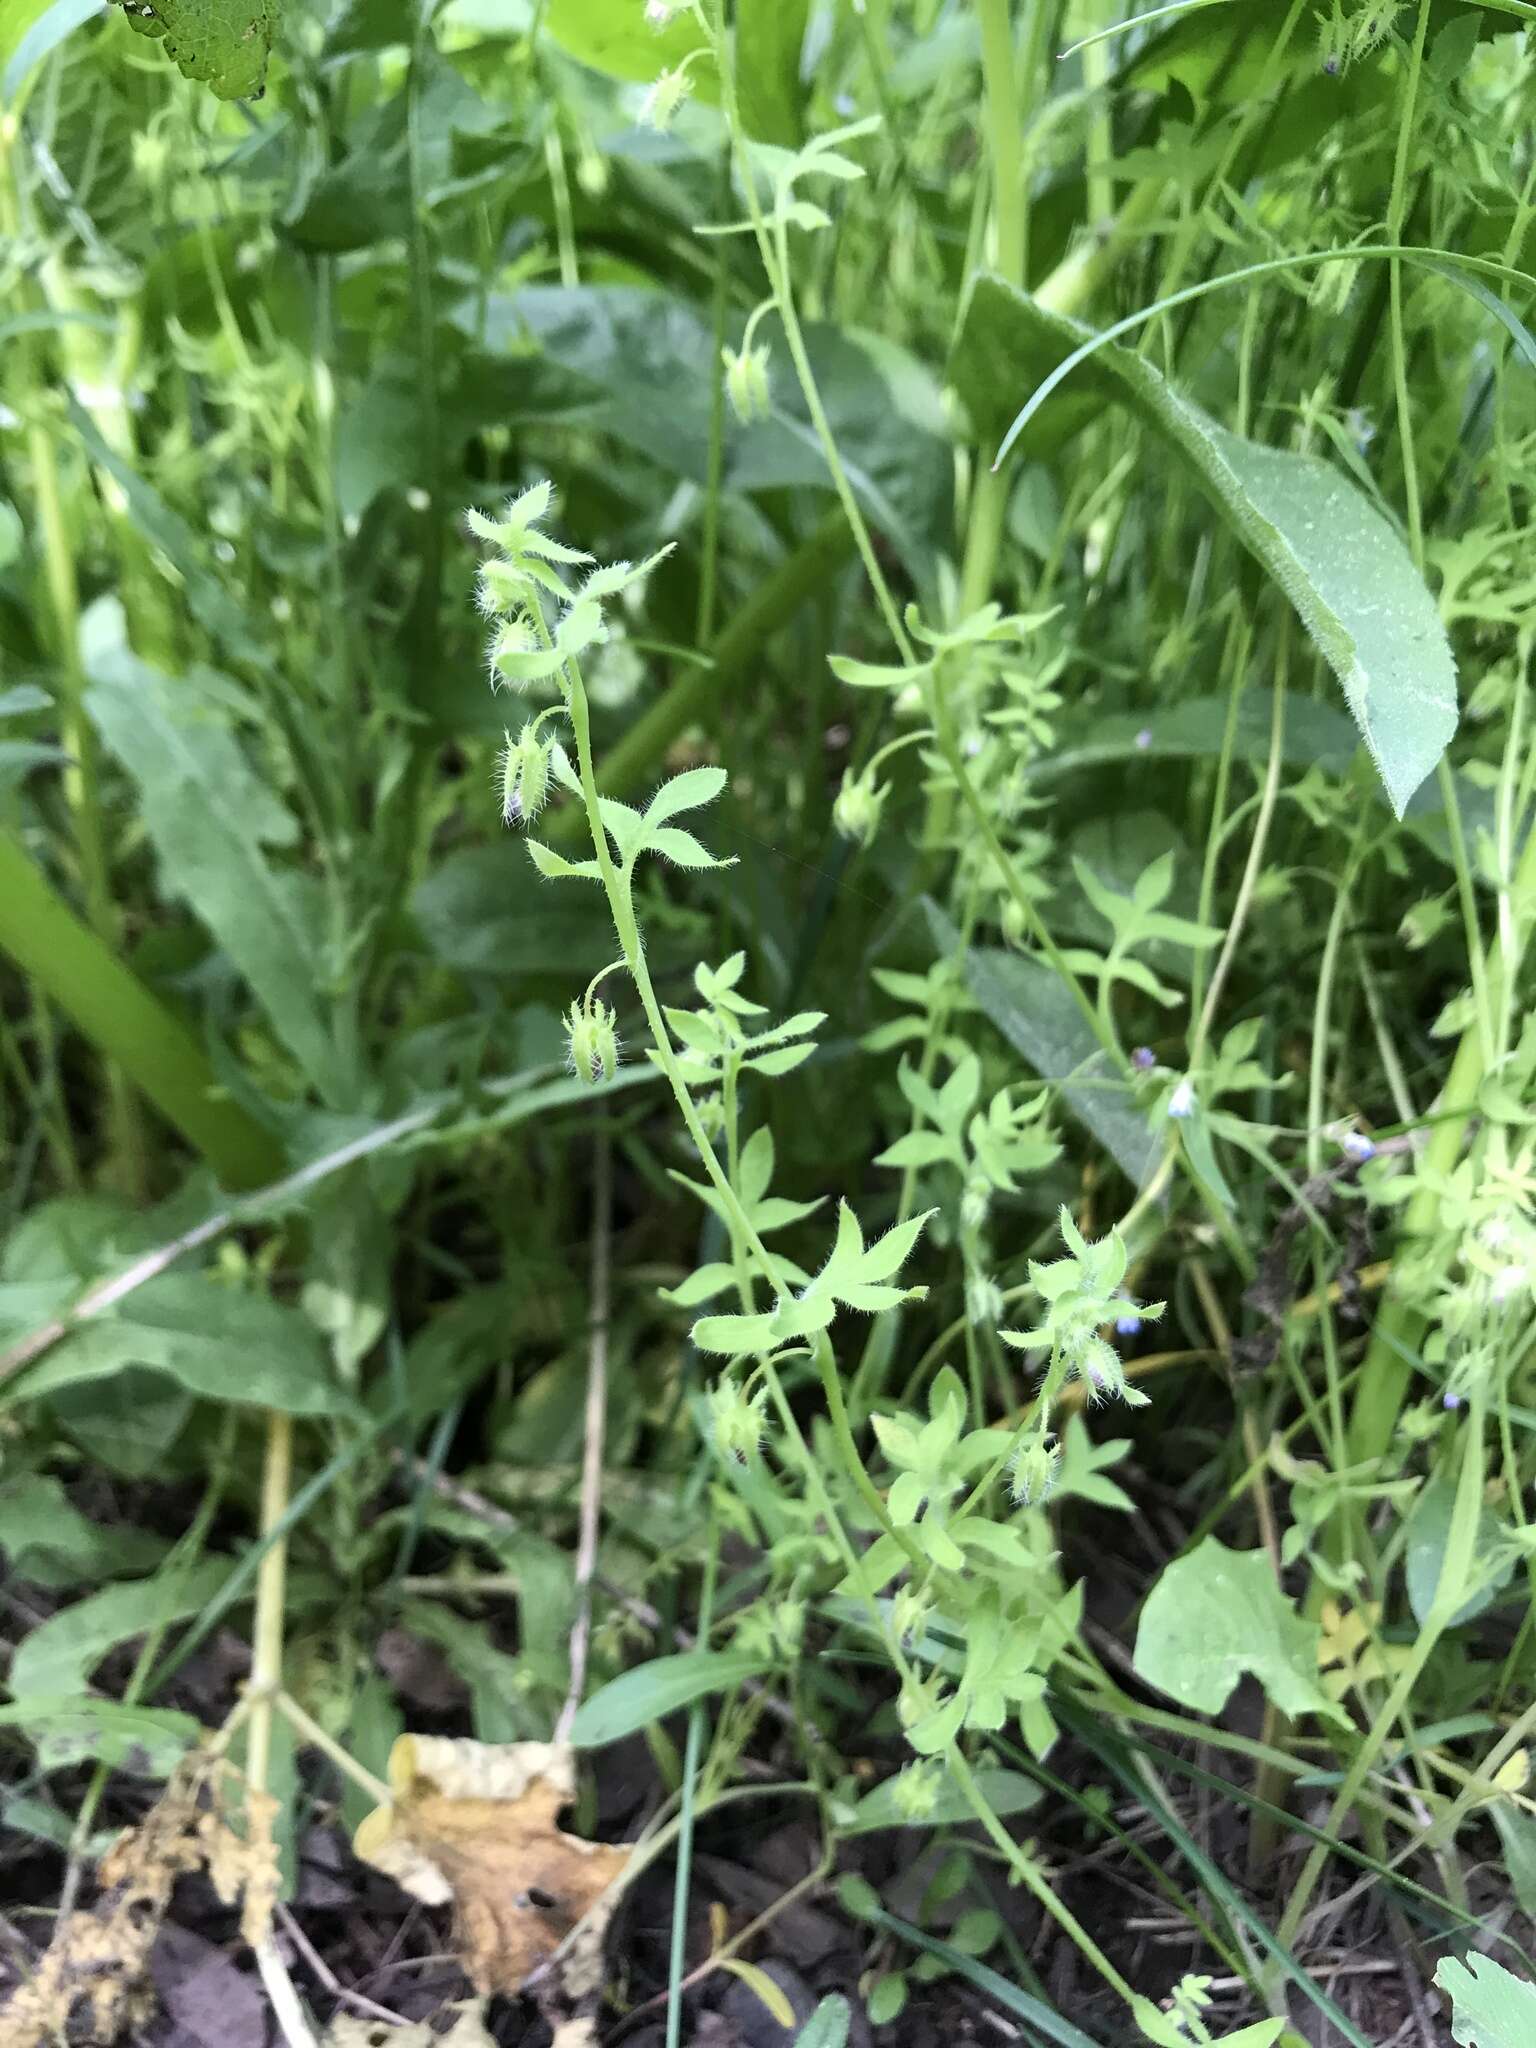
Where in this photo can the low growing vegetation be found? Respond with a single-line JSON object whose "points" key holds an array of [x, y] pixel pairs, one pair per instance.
{"points": [[766, 887]]}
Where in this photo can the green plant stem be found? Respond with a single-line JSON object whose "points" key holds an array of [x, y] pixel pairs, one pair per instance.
{"points": [[1017, 1858], [678, 1947], [74, 968], [82, 778], [634, 758], [271, 1585], [1449, 1597]]}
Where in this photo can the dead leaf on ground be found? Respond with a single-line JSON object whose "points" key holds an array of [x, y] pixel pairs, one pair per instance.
{"points": [[467, 2031], [475, 1823], [91, 1981]]}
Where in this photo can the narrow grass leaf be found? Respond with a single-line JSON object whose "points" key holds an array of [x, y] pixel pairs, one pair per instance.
{"points": [[651, 1691]]}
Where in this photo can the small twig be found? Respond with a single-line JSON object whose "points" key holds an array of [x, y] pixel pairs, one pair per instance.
{"points": [[737, 1942], [309, 1730], [327, 1975], [271, 1586], [595, 1428], [284, 1999]]}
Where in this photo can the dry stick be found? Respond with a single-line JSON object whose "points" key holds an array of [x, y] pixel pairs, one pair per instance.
{"points": [[266, 1679], [109, 1293], [596, 1420], [327, 1975]]}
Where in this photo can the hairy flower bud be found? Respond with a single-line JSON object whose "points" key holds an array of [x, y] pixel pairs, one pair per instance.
{"points": [[513, 637], [735, 1422], [915, 1792], [1036, 1464], [746, 382], [593, 1042], [663, 98], [524, 776], [856, 812]]}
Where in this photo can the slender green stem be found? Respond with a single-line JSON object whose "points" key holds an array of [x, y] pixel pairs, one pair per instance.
{"points": [[677, 1955]]}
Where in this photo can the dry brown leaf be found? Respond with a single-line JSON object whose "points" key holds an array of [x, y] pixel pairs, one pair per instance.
{"points": [[475, 1823], [91, 1981], [467, 2031]]}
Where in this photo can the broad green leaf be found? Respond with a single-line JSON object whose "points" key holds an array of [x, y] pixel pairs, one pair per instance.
{"points": [[651, 1691], [1038, 1017], [478, 916], [209, 1339], [127, 1423], [769, 37], [1218, 1615], [828, 2025], [1517, 1831], [672, 843], [637, 364], [1428, 1533], [223, 44], [1336, 558], [210, 821], [48, 1542], [146, 1741], [56, 1659], [614, 36], [29, 30], [1490, 2007]]}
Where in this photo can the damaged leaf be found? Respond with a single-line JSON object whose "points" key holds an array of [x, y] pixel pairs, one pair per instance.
{"points": [[475, 1823]]}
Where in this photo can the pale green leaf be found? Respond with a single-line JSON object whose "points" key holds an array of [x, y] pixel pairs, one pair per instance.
{"points": [[827, 2026], [210, 820], [686, 792], [548, 862], [1217, 1616], [211, 1340], [1490, 2007], [56, 1659], [148, 1742]]}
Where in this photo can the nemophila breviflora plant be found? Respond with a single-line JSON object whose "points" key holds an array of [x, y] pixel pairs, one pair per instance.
{"points": [[1087, 456]]}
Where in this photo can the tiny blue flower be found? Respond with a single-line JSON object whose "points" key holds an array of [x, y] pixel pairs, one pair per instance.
{"points": [[1181, 1103], [1143, 1058], [1451, 1401], [1129, 1324], [1144, 739], [1357, 1146]]}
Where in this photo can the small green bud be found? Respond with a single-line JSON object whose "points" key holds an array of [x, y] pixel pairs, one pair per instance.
{"points": [[1015, 929], [746, 382], [659, 107], [501, 589], [909, 1613], [983, 1298], [593, 1042], [975, 1200], [513, 637], [915, 1792], [735, 1422], [856, 811], [524, 776], [789, 1626], [1036, 1464]]}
